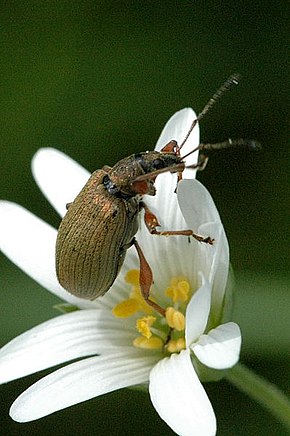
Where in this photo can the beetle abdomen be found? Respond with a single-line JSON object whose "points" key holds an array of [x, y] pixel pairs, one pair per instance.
{"points": [[91, 237]]}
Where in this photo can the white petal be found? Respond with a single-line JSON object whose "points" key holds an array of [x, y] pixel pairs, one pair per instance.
{"points": [[82, 381], [179, 397], [197, 312], [220, 348], [58, 176], [61, 339], [201, 216], [196, 204], [218, 268], [29, 242], [176, 129], [165, 198], [213, 261]]}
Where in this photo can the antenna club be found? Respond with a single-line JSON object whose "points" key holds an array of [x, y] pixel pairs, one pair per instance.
{"points": [[235, 78], [249, 144]]}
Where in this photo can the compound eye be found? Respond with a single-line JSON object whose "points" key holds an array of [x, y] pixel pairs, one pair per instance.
{"points": [[158, 164], [110, 186]]}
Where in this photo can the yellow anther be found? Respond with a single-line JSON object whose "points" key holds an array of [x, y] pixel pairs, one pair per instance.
{"points": [[132, 277], [175, 345], [175, 319], [153, 343], [143, 325], [126, 308], [136, 301], [171, 346], [178, 291], [170, 293], [183, 288]]}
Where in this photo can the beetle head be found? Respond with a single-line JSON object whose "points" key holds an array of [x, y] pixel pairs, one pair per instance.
{"points": [[124, 176]]}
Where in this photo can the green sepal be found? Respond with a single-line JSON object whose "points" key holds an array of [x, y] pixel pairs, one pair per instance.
{"points": [[65, 307], [206, 374]]}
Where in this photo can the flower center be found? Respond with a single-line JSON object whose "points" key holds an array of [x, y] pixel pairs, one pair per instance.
{"points": [[156, 331]]}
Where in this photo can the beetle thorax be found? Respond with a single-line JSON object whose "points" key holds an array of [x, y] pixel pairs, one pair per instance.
{"points": [[123, 175]]}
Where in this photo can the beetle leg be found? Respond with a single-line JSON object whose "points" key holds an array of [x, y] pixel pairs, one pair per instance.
{"points": [[68, 205], [202, 162], [146, 279], [151, 222], [179, 177]]}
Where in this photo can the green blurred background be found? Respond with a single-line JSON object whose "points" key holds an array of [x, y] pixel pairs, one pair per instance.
{"points": [[98, 80]]}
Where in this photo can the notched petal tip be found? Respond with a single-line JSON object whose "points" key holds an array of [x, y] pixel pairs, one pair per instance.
{"points": [[220, 348]]}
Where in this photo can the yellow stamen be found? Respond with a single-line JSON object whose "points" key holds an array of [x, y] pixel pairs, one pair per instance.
{"points": [[175, 345], [132, 277], [175, 319], [126, 308], [152, 343], [178, 291], [143, 325], [184, 288], [136, 301]]}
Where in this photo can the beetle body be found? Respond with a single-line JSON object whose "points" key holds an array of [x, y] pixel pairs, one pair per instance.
{"points": [[101, 222]]}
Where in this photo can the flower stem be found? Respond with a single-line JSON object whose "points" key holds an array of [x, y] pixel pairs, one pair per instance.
{"points": [[265, 393]]}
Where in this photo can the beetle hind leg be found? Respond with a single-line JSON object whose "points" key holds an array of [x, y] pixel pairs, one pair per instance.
{"points": [[146, 279]]}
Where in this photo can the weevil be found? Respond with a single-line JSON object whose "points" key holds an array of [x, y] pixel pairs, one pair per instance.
{"points": [[101, 223]]}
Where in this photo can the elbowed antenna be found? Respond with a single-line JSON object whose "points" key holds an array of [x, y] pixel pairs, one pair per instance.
{"points": [[226, 86]]}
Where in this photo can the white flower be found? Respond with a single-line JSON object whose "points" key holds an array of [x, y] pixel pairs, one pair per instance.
{"points": [[189, 277]]}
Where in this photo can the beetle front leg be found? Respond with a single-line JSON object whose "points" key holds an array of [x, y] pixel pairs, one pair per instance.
{"points": [[146, 279], [151, 222]]}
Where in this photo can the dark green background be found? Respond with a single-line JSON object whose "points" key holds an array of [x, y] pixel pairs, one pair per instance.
{"points": [[98, 80]]}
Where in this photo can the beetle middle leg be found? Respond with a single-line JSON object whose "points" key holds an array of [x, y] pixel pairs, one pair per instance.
{"points": [[151, 222]]}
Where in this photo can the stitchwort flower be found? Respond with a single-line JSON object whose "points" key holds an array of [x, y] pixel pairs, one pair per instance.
{"points": [[118, 339]]}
